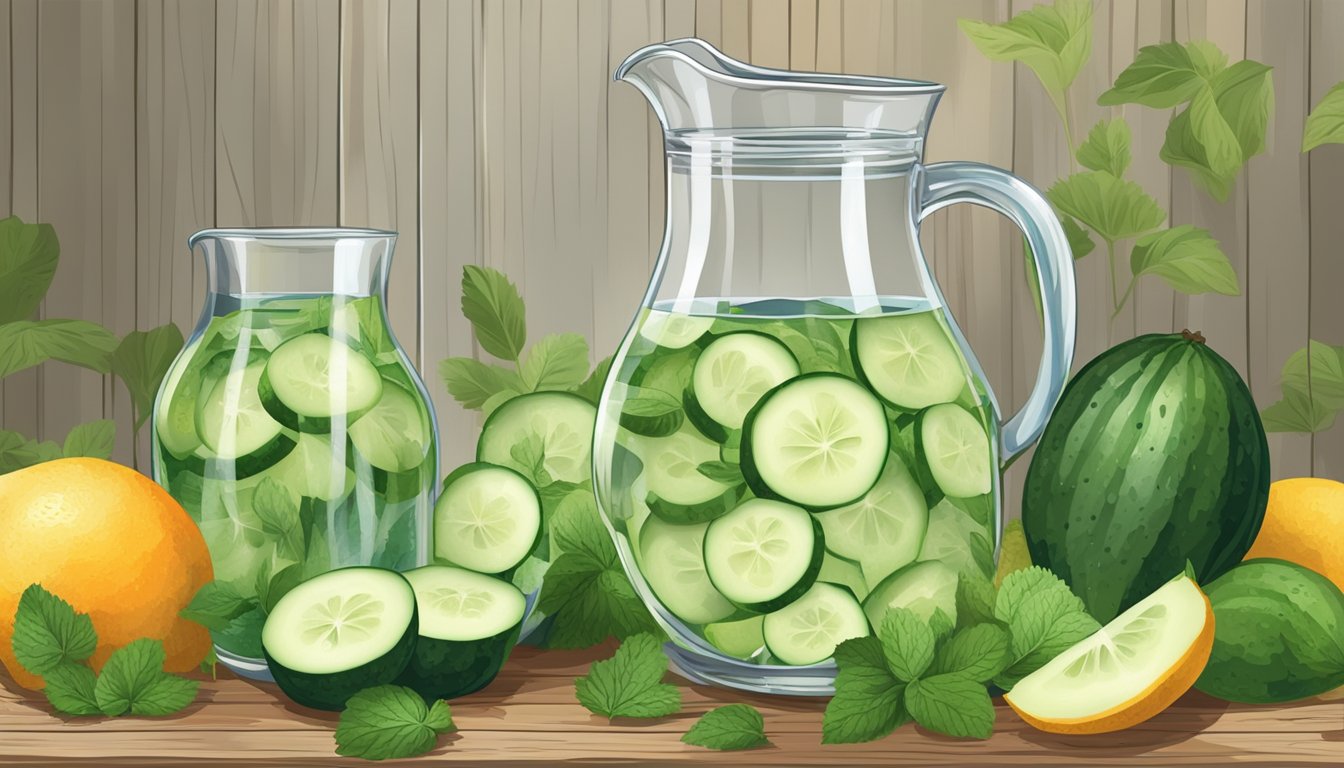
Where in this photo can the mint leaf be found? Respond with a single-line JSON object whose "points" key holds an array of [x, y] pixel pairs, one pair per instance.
{"points": [[498, 399], [720, 471], [1188, 258], [1325, 124], [979, 652], [591, 388], [1298, 412], [141, 360], [1241, 96], [1054, 41], [975, 600], [361, 322], [28, 257], [530, 456], [651, 412], [868, 702], [495, 309], [576, 525], [133, 680], [48, 633], [277, 509], [1106, 148], [1164, 75], [1318, 370], [733, 726], [629, 684], [390, 721], [1111, 207], [26, 343], [472, 383], [1043, 617], [273, 586], [243, 634], [907, 643], [558, 361], [70, 689], [951, 704], [216, 604], [93, 439]]}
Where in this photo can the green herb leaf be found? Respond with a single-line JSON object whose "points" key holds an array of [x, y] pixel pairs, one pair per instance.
{"points": [[720, 471], [1111, 207], [49, 633], [390, 721], [17, 451], [1106, 148], [216, 604], [26, 343], [278, 511], [907, 643], [979, 652], [495, 310], [70, 689], [1325, 124], [558, 361], [1222, 154], [1318, 370], [1043, 618], [951, 704], [975, 600], [1188, 258], [591, 388], [1165, 75], [142, 360], [869, 701], [531, 455], [1298, 412], [28, 257], [1242, 96], [629, 684], [133, 681], [472, 382], [498, 399], [361, 323], [273, 586], [651, 412], [243, 634], [733, 726], [1054, 41], [93, 439]]}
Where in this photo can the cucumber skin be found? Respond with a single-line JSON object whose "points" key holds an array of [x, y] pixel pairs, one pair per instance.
{"points": [[263, 458], [331, 691], [685, 514], [286, 416], [1200, 497], [702, 421], [653, 426], [797, 590], [446, 669]]}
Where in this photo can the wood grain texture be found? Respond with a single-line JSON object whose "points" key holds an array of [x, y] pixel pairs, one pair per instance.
{"points": [[529, 716]]}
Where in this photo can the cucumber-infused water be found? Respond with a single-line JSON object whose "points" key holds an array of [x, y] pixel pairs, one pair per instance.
{"points": [[799, 462]]}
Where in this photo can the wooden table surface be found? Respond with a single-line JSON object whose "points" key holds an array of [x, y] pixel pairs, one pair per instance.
{"points": [[529, 717]]}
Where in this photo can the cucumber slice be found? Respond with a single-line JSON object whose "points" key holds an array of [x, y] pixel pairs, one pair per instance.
{"points": [[175, 416], [395, 434], [488, 518], [740, 639], [807, 630], [735, 371], [677, 491], [235, 427], [339, 633], [672, 559], [922, 587], [956, 449], [672, 330], [312, 378], [845, 573], [908, 359], [764, 554], [468, 624], [956, 539], [703, 422], [819, 440], [557, 424], [883, 530], [316, 468]]}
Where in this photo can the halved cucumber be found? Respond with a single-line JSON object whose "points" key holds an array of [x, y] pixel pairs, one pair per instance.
{"points": [[954, 445], [740, 639], [672, 559], [908, 359], [819, 440], [922, 587], [488, 518], [468, 624], [339, 633], [846, 573], [735, 371], [673, 330], [562, 425], [764, 554], [807, 630], [395, 434], [883, 530], [677, 491], [312, 378], [235, 427]]}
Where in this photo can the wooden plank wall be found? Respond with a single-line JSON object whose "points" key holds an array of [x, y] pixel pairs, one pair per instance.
{"points": [[489, 132]]}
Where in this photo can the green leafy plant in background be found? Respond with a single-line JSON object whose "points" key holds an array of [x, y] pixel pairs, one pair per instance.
{"points": [[29, 254], [1221, 123]]}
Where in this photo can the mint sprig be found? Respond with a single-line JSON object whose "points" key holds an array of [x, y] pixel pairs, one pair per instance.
{"points": [[391, 721], [48, 633], [730, 727], [629, 684]]}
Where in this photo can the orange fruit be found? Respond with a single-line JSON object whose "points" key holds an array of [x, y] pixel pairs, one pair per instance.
{"points": [[1127, 671], [1304, 524], [110, 542]]}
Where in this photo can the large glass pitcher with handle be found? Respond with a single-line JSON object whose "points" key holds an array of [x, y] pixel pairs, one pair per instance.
{"points": [[794, 437]]}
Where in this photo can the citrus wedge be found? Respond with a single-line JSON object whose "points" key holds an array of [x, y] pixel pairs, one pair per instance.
{"points": [[1125, 672]]}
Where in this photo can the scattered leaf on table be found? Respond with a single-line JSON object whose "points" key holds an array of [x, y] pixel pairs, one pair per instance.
{"points": [[730, 727], [390, 721], [629, 684]]}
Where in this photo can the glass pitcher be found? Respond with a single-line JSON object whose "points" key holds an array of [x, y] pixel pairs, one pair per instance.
{"points": [[794, 436], [292, 426]]}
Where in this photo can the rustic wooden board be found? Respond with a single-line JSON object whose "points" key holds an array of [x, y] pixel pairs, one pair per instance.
{"points": [[529, 717]]}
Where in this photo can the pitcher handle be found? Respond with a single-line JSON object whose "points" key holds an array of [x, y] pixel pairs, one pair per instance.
{"points": [[980, 184]]}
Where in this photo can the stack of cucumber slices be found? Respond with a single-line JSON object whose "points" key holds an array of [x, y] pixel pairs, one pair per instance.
{"points": [[796, 477]]}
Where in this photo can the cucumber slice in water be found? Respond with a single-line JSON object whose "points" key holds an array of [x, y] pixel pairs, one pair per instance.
{"points": [[312, 378], [672, 559], [235, 427], [677, 491], [672, 330], [841, 572], [556, 426], [735, 371], [819, 440], [393, 435], [807, 630], [740, 639], [316, 468], [908, 359], [175, 417], [764, 554], [955, 447], [339, 633], [883, 530], [923, 588], [488, 518]]}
